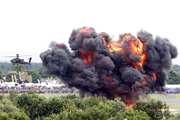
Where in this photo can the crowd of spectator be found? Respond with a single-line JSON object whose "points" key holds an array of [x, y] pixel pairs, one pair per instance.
{"points": [[39, 89], [44, 89], [168, 92], [173, 91]]}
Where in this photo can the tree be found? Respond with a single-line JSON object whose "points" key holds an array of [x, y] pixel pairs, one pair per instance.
{"points": [[19, 68], [173, 77], [35, 75], [13, 96], [33, 105], [131, 115], [7, 106], [33, 66], [1, 74], [14, 116], [153, 109], [176, 68], [6, 66], [8, 76]]}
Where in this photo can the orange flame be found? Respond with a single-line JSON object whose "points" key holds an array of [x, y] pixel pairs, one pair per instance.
{"points": [[107, 78], [102, 36], [136, 48], [60, 46], [85, 29], [114, 46], [112, 83], [154, 76], [100, 95], [87, 57], [128, 103], [146, 77], [127, 35]]}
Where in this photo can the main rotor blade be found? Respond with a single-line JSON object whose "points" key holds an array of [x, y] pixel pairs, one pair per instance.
{"points": [[18, 56], [8, 56]]}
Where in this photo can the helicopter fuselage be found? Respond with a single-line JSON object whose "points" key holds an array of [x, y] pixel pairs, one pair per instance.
{"points": [[20, 61]]}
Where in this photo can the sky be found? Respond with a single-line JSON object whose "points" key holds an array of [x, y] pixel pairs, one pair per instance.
{"points": [[28, 27]]}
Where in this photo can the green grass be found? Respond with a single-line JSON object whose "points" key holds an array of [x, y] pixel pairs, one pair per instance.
{"points": [[48, 95], [164, 97], [174, 106], [161, 97], [148, 97]]}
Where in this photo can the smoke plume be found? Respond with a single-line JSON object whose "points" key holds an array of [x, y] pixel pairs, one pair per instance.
{"points": [[128, 67]]}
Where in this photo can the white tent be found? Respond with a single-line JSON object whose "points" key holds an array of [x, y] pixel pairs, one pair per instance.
{"points": [[10, 84], [172, 86]]}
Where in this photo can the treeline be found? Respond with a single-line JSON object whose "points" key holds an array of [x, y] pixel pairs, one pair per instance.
{"points": [[176, 68], [32, 106], [174, 75], [9, 66]]}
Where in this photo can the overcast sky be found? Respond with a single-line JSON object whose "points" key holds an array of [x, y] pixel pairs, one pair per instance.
{"points": [[28, 27]]}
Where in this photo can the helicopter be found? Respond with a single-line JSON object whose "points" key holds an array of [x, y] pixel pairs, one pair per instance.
{"points": [[18, 61]]}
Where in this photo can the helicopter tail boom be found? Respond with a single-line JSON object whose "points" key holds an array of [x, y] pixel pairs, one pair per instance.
{"points": [[30, 60]]}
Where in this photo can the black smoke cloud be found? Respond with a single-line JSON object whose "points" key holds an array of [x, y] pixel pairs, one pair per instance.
{"points": [[94, 69]]}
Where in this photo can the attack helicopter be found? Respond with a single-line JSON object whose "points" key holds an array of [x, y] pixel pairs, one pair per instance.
{"points": [[17, 60]]}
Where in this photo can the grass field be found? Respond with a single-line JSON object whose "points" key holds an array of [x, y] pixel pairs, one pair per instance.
{"points": [[150, 96], [164, 96], [54, 95], [174, 106]]}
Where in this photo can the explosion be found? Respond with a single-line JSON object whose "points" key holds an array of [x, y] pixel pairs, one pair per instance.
{"points": [[128, 67]]}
